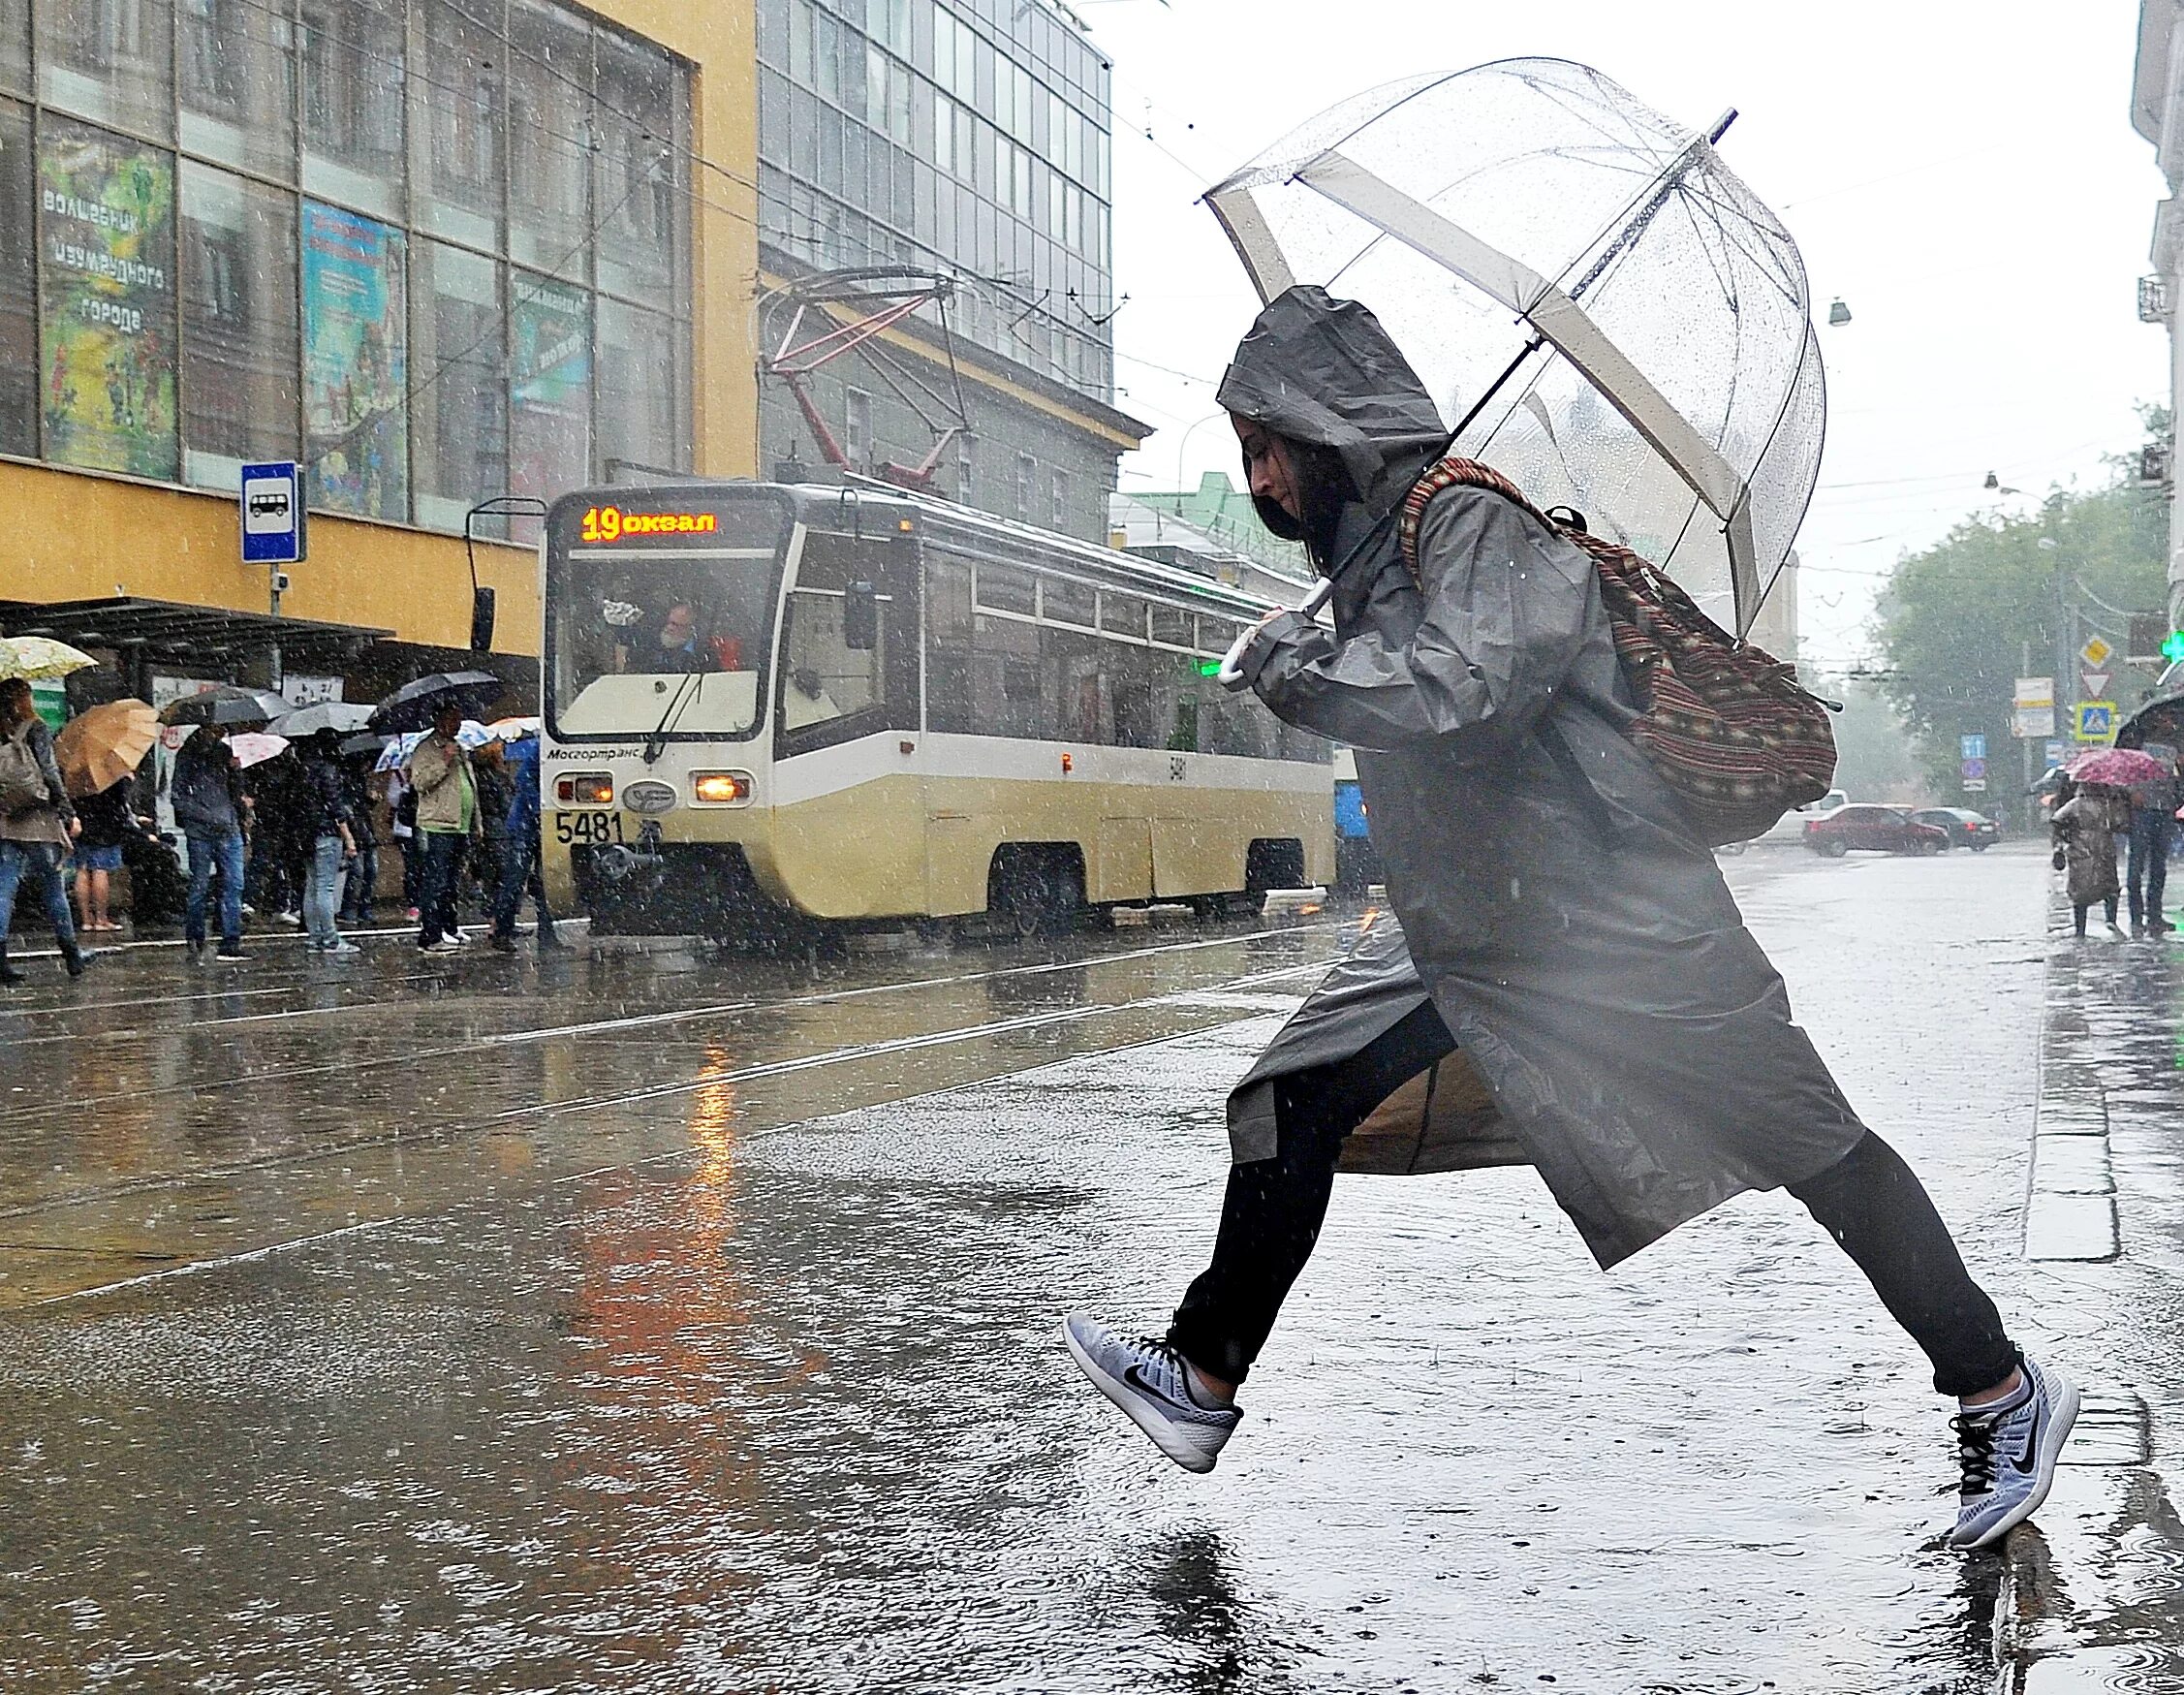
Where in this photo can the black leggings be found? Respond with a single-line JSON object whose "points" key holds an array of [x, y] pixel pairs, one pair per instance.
{"points": [[2109, 903], [1869, 1201]]}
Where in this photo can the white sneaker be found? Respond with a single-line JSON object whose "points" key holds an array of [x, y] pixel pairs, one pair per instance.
{"points": [[2009, 1457], [1150, 1382], [442, 946], [344, 949]]}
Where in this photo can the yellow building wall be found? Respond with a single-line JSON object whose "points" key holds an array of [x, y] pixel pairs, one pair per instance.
{"points": [[70, 536]]}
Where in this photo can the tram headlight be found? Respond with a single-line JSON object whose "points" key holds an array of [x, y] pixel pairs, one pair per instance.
{"points": [[584, 789], [721, 787]]}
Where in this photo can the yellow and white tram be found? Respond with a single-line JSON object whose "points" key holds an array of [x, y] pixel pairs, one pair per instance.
{"points": [[772, 703]]}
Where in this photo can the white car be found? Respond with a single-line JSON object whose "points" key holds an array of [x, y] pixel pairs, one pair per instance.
{"points": [[1789, 830]]}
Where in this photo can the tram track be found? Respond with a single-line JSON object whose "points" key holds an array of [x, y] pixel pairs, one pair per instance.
{"points": [[178, 1260], [939, 986], [593, 1027]]}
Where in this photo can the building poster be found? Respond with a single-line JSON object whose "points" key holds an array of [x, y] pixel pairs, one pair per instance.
{"points": [[106, 272], [355, 410], [550, 389]]}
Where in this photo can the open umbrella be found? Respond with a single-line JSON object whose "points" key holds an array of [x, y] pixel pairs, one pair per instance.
{"points": [[415, 704], [366, 741], [512, 729], [255, 747], [2119, 768], [340, 716], [396, 753], [39, 656], [224, 703], [1617, 322], [96, 749]]}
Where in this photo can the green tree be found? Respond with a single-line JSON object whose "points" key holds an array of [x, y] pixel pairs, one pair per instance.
{"points": [[1954, 621]]}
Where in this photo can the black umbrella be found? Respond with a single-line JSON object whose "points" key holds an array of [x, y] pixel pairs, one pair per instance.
{"points": [[225, 704], [2159, 719], [415, 704], [368, 741]]}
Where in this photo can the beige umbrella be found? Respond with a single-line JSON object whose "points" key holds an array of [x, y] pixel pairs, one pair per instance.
{"points": [[38, 657], [99, 747]]}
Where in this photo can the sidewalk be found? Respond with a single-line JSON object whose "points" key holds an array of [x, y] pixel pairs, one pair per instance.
{"points": [[2093, 1592]]}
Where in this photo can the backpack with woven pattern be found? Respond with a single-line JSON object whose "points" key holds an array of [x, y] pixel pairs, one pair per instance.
{"points": [[1725, 725]]}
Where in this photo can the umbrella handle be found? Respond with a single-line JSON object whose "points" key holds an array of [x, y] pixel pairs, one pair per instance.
{"points": [[1230, 675]]}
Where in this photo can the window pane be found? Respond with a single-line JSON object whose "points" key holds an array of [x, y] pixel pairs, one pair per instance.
{"points": [[456, 127], [460, 401], [1005, 677], [550, 387], [549, 101], [14, 46], [1066, 603], [641, 395], [1122, 613], [110, 60], [356, 360], [107, 269], [1171, 626], [238, 84], [1006, 590], [239, 343], [641, 183], [18, 298], [353, 57], [949, 687]]}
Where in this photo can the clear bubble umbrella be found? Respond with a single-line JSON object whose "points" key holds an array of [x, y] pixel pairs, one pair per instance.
{"points": [[1602, 309]]}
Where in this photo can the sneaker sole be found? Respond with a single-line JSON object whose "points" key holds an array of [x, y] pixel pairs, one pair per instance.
{"points": [[2050, 1454], [1133, 1406]]}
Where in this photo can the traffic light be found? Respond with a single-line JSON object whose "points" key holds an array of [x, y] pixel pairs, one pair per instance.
{"points": [[2172, 646]]}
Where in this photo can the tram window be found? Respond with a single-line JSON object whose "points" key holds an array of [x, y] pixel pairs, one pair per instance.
{"points": [[1184, 737], [1074, 667], [1171, 625], [1122, 614], [1062, 601], [1004, 689], [1134, 713], [1232, 723], [1006, 591], [822, 677], [947, 645]]}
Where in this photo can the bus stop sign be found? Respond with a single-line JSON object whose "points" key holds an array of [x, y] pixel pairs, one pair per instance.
{"points": [[273, 513]]}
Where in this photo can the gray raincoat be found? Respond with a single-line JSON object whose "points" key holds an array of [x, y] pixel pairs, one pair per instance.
{"points": [[1578, 941]]}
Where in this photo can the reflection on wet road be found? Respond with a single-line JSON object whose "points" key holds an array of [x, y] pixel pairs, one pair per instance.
{"points": [[647, 1323]]}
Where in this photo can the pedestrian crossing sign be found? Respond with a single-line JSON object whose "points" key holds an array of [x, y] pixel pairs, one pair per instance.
{"points": [[2096, 720]]}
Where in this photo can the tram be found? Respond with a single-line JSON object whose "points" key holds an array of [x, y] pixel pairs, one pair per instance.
{"points": [[775, 705]]}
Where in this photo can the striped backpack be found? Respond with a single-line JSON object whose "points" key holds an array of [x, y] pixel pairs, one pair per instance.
{"points": [[1725, 725]]}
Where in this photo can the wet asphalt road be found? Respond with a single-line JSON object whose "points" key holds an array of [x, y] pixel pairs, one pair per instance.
{"points": [[645, 1322]]}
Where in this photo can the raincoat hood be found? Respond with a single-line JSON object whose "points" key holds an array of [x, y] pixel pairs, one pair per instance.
{"points": [[1323, 371]]}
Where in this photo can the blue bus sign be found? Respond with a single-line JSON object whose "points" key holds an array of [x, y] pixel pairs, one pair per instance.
{"points": [[271, 497]]}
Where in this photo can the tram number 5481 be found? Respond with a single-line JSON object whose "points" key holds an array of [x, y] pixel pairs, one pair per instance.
{"points": [[597, 827]]}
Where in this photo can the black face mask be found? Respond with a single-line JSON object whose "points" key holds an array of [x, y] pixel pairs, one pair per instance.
{"points": [[1323, 489]]}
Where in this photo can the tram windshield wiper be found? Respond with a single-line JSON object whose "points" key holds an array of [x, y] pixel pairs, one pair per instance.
{"points": [[687, 692]]}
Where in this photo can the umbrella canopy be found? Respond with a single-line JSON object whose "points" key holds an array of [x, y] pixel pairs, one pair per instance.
{"points": [[224, 704], [2159, 719], [512, 729], [415, 704], [255, 747], [340, 716], [2119, 768], [396, 753], [1621, 324], [368, 741], [37, 657], [96, 749]]}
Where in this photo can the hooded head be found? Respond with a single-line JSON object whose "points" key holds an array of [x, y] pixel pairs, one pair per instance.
{"points": [[1322, 374]]}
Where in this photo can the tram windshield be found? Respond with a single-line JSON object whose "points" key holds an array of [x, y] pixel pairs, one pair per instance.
{"points": [[660, 614]]}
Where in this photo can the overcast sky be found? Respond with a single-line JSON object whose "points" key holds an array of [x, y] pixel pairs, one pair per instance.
{"points": [[1964, 176]]}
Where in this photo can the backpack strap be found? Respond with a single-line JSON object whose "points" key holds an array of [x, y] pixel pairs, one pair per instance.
{"points": [[1455, 472]]}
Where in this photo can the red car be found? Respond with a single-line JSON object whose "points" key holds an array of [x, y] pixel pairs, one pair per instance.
{"points": [[1886, 829]]}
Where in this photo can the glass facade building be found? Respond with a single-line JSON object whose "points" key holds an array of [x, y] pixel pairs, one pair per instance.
{"points": [[964, 137], [440, 249]]}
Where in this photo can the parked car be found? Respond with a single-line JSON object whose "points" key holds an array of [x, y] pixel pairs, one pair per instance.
{"points": [[1888, 829], [1964, 827], [1790, 829]]}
